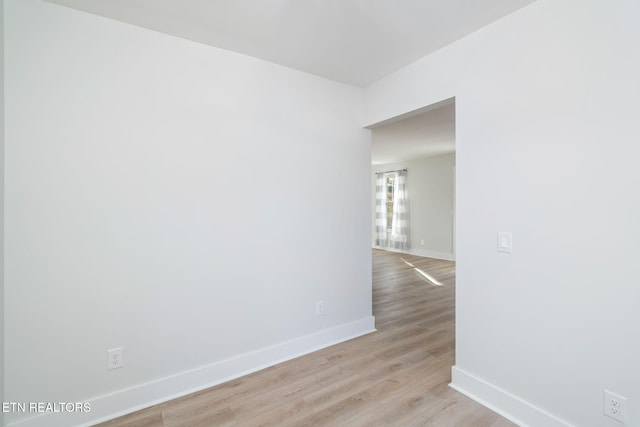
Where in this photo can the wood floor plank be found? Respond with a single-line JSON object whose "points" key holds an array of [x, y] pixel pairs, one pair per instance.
{"points": [[150, 417], [397, 376]]}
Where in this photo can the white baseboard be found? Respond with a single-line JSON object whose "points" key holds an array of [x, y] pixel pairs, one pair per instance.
{"points": [[504, 403], [141, 396], [420, 252], [432, 254]]}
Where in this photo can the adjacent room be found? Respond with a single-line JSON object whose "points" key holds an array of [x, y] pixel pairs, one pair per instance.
{"points": [[419, 149]]}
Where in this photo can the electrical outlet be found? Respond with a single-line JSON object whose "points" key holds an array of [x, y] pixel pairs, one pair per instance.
{"points": [[614, 406], [114, 358], [319, 308], [422, 242]]}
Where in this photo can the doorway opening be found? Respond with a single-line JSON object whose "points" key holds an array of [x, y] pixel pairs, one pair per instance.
{"points": [[421, 142]]}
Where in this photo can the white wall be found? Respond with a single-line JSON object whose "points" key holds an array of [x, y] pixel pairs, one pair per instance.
{"points": [[430, 190], [173, 199], [547, 130], [2, 319]]}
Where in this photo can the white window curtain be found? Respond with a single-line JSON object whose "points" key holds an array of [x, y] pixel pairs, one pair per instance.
{"points": [[381, 211], [399, 238]]}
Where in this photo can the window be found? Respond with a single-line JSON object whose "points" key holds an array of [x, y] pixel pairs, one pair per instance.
{"points": [[392, 221], [388, 181]]}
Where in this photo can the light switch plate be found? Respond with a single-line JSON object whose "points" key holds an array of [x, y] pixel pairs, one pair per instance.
{"points": [[505, 242]]}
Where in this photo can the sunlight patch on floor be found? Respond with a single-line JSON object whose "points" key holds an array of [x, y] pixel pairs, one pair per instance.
{"points": [[423, 275], [406, 262], [429, 278]]}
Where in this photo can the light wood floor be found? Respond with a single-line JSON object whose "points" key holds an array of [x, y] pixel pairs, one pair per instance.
{"points": [[397, 376]]}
